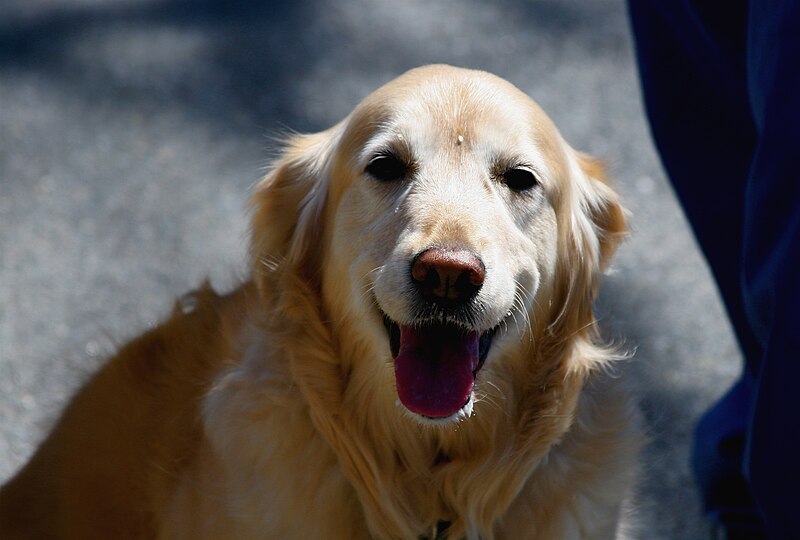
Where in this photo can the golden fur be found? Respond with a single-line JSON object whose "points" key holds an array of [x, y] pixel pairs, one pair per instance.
{"points": [[271, 412]]}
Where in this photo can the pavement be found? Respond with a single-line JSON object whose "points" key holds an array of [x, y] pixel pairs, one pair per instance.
{"points": [[132, 130]]}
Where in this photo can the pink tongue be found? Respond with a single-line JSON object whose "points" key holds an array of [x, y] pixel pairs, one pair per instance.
{"points": [[433, 369]]}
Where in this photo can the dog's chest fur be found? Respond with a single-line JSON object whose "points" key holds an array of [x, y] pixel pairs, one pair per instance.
{"points": [[267, 463]]}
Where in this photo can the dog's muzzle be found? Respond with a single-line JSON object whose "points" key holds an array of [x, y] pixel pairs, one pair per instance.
{"points": [[438, 355]]}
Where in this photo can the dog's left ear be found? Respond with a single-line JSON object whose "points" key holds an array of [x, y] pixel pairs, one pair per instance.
{"points": [[603, 208], [288, 207]]}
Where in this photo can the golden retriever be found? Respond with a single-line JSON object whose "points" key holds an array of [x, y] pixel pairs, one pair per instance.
{"points": [[415, 356]]}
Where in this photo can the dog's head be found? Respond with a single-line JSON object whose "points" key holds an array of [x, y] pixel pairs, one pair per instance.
{"points": [[444, 229]]}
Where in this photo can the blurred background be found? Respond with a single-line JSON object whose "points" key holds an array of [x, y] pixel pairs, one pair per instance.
{"points": [[132, 130]]}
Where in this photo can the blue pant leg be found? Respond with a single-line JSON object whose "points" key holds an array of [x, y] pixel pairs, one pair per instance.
{"points": [[692, 68], [692, 73], [717, 458], [771, 274]]}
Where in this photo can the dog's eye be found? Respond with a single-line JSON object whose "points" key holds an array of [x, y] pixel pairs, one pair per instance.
{"points": [[519, 179], [387, 167]]}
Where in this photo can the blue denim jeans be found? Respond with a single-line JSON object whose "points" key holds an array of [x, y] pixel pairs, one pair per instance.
{"points": [[721, 85]]}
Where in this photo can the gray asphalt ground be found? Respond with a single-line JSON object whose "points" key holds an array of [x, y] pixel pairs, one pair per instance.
{"points": [[132, 130]]}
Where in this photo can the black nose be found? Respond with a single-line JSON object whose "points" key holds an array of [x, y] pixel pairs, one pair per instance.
{"points": [[447, 275]]}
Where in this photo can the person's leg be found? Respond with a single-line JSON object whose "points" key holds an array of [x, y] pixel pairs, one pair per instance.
{"points": [[772, 261], [693, 81], [717, 458]]}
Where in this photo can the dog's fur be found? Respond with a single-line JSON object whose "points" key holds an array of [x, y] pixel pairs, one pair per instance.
{"points": [[272, 412]]}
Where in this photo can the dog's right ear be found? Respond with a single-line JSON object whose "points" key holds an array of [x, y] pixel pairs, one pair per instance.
{"points": [[288, 207]]}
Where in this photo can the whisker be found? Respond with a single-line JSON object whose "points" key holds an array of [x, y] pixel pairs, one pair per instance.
{"points": [[369, 285], [271, 262], [519, 305], [486, 397], [520, 296]]}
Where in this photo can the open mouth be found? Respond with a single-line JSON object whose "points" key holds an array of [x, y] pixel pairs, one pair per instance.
{"points": [[435, 365]]}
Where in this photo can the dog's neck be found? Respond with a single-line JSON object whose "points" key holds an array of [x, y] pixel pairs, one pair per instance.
{"points": [[453, 470], [410, 476]]}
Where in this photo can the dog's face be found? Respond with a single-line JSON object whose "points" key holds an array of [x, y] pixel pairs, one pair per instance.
{"points": [[445, 212]]}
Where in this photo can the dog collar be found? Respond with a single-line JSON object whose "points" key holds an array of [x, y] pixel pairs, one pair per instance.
{"points": [[438, 531]]}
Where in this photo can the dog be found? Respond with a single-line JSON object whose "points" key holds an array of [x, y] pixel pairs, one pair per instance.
{"points": [[415, 354]]}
